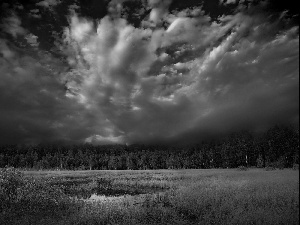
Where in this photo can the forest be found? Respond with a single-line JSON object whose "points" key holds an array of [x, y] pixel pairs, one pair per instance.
{"points": [[276, 148]]}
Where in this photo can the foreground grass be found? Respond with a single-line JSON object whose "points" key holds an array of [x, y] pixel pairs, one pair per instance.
{"points": [[180, 197]]}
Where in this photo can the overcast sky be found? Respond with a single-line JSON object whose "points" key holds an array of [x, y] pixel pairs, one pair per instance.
{"points": [[127, 71]]}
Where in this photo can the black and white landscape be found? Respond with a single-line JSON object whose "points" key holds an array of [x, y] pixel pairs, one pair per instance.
{"points": [[149, 112]]}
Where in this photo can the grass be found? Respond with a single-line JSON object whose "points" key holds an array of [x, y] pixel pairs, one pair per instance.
{"points": [[253, 196]]}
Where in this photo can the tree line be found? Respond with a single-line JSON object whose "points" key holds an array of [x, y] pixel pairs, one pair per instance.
{"points": [[278, 147]]}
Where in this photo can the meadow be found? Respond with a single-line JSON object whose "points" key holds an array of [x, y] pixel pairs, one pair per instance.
{"points": [[216, 196]]}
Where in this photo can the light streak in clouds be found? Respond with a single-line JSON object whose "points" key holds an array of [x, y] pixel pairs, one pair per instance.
{"points": [[226, 2], [105, 140]]}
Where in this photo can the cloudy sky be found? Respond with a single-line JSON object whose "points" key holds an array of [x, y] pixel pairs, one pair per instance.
{"points": [[127, 71]]}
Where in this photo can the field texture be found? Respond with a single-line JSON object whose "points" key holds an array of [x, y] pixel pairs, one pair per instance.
{"points": [[254, 196]]}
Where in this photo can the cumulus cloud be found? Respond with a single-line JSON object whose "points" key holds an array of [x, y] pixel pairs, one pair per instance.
{"points": [[35, 13], [73, 8], [32, 40], [180, 77], [209, 77], [231, 2], [12, 26], [80, 28], [6, 52], [48, 3], [109, 61], [159, 9]]}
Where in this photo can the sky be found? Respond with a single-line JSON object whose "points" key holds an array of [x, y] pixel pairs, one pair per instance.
{"points": [[145, 71]]}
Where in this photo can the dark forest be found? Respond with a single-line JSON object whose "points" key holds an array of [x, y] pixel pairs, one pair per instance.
{"points": [[276, 148]]}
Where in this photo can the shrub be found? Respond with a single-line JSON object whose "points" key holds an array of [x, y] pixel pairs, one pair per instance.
{"points": [[270, 168], [296, 166], [242, 168], [279, 164], [260, 162]]}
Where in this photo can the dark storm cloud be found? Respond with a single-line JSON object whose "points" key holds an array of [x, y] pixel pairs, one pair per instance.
{"points": [[181, 76], [34, 107]]}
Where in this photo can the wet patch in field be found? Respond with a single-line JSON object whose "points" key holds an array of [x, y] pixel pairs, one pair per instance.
{"points": [[84, 188]]}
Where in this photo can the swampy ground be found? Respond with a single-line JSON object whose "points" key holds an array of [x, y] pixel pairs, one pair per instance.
{"points": [[232, 196]]}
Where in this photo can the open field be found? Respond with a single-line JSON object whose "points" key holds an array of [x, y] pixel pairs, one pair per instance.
{"points": [[170, 197]]}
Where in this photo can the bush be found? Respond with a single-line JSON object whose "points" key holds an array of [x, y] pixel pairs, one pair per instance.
{"points": [[270, 168], [260, 162], [279, 164], [242, 168], [296, 166]]}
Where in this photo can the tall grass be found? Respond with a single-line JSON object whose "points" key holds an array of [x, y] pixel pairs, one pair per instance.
{"points": [[252, 197], [30, 201], [184, 197]]}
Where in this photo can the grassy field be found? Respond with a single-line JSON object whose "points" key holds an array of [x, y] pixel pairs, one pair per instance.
{"points": [[170, 197]]}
